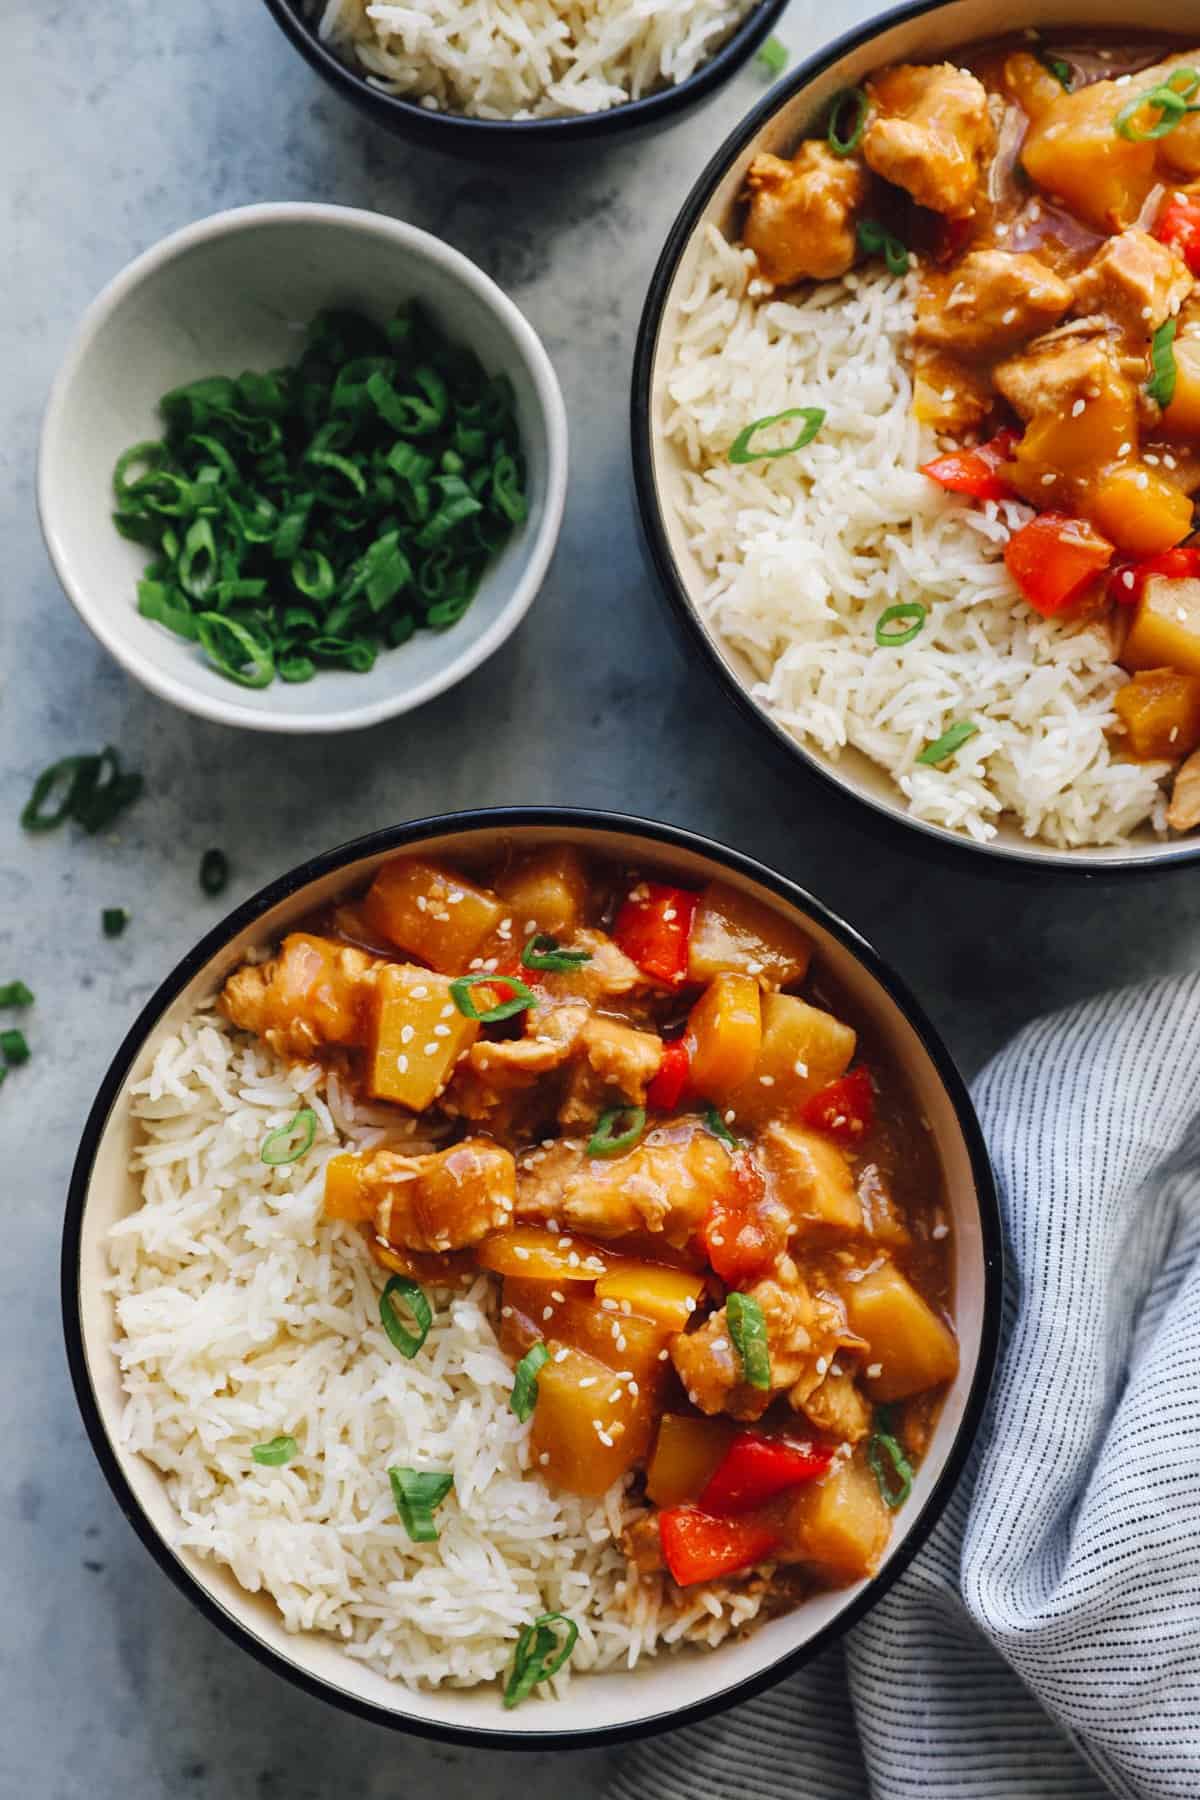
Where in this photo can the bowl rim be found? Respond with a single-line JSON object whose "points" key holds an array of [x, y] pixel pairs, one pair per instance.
{"points": [[490, 821], [462, 132], [1090, 861], [106, 626]]}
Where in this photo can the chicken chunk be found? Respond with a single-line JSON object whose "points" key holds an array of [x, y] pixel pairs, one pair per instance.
{"points": [[444, 1201], [931, 134], [1135, 282], [1183, 814], [836, 1406], [666, 1185], [611, 1066], [709, 1366], [990, 301], [948, 394], [811, 1178], [883, 1218], [502, 1084], [1050, 374], [608, 975], [314, 993], [803, 214]]}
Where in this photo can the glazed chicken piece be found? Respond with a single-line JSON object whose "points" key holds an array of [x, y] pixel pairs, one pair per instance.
{"points": [[948, 394], [808, 1175], [665, 1185], [609, 975], [803, 214], [445, 1201], [990, 301], [1135, 282], [1184, 811], [1075, 362], [503, 1084], [837, 1407], [610, 1066], [931, 134], [709, 1367], [883, 1218], [314, 992]]}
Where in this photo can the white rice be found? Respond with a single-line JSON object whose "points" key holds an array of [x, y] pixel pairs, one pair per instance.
{"points": [[242, 1316], [526, 59], [804, 553]]}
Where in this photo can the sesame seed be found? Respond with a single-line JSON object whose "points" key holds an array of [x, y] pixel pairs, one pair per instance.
{"points": [[422, 903], [547, 1312], [614, 1396], [1124, 449], [521, 1254], [634, 1390], [940, 1231], [1078, 407], [407, 1034], [669, 913], [544, 1459], [801, 1069], [619, 1338], [835, 1368], [854, 1274], [589, 1381], [506, 1312], [730, 1116], [1127, 578], [402, 1064], [556, 1295], [447, 1011], [1174, 733], [1049, 480], [1006, 318], [715, 1238], [1141, 479], [1147, 312], [431, 1049], [605, 1437], [767, 1080], [626, 1307], [1150, 458], [420, 993], [874, 1371], [689, 1305], [1169, 460], [663, 1355], [609, 1305], [560, 1356], [822, 1365]]}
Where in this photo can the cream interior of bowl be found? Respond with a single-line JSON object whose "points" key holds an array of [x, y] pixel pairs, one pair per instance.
{"points": [[672, 1680], [930, 37], [238, 292]]}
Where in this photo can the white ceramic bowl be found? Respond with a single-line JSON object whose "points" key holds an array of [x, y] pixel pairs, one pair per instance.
{"points": [[235, 292], [918, 32], [666, 1690]]}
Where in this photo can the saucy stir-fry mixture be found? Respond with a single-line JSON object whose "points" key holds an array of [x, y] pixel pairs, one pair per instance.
{"points": [[715, 1225], [1051, 192]]}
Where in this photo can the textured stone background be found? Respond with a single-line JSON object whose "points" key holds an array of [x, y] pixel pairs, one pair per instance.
{"points": [[119, 123]]}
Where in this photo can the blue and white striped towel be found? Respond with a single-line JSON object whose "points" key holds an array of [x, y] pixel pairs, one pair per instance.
{"points": [[1046, 1641]]}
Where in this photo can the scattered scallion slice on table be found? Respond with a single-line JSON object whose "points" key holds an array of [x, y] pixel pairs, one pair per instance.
{"points": [[616, 1130], [15, 993], [114, 919], [891, 1468], [91, 790], [214, 872], [14, 1047], [909, 615], [544, 952], [274, 1454], [1161, 385], [513, 997], [524, 1394], [950, 741], [813, 416], [289, 1142], [400, 1290], [849, 109], [416, 1493], [774, 57], [539, 1655], [748, 1329]]}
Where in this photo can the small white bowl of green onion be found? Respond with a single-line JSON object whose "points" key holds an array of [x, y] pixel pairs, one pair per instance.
{"points": [[303, 467]]}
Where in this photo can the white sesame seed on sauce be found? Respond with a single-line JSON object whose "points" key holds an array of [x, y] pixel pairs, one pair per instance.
{"points": [[544, 1459], [1169, 461], [854, 1274], [1124, 449], [663, 1355], [407, 1034], [715, 1239], [520, 1252], [1079, 406], [669, 913], [1123, 81], [589, 1381], [835, 1368], [1174, 733], [767, 1080], [822, 1365], [420, 992], [422, 903], [1049, 480], [402, 1064], [801, 1069], [1150, 458], [634, 1389], [447, 1011], [1008, 316], [476, 962], [455, 897], [940, 1231], [609, 1305], [620, 1341], [560, 1356], [689, 1305], [441, 1031], [1127, 578], [556, 1295], [547, 1312], [1141, 479], [572, 1258], [606, 1438], [730, 1116], [626, 1307], [431, 1049], [874, 1371], [614, 1396], [1181, 614]]}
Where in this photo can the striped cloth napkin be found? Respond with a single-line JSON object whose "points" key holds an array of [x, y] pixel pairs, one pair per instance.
{"points": [[1046, 1641]]}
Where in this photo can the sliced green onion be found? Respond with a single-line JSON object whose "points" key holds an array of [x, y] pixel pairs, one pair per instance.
{"points": [[715, 1123], [873, 238], [114, 919], [617, 1130], [15, 993], [63, 776], [1161, 385], [891, 1468], [287, 1143], [854, 98], [92, 790], [524, 1394], [748, 1330], [416, 1493], [906, 610], [1060, 70], [231, 647], [214, 872], [774, 57], [15, 1049], [274, 1454], [539, 1655], [401, 1289], [520, 1000], [543, 952], [813, 416], [948, 743], [1169, 100]]}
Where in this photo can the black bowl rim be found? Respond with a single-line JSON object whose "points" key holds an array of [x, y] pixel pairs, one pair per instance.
{"points": [[1055, 863], [493, 821], [459, 131]]}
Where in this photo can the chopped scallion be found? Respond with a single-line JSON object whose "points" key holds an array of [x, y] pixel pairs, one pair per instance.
{"points": [[114, 919], [416, 1493], [617, 1130], [288, 1143], [910, 615], [774, 57], [14, 1047], [544, 952], [15, 993], [274, 1454], [513, 997], [1161, 385], [214, 872], [714, 1122], [855, 103], [891, 1468], [524, 1394], [748, 1330], [539, 1655], [813, 416], [413, 1296], [948, 743]]}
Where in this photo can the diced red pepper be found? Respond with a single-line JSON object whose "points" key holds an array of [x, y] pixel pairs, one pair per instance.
{"points": [[670, 1085], [740, 1237], [976, 471], [653, 927], [755, 1468], [697, 1547], [1127, 583], [1053, 558], [1178, 226], [844, 1108]]}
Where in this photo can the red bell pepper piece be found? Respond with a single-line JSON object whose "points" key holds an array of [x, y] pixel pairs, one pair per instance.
{"points": [[843, 1108], [755, 1468], [976, 471], [670, 1085], [1127, 583], [1053, 558], [1178, 226], [697, 1547], [653, 927], [741, 1238]]}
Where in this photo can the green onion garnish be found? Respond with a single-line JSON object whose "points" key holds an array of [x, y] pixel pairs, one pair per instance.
{"points": [[15, 1049], [413, 1296], [1060, 70], [214, 872], [813, 416], [748, 1329], [15, 993], [1168, 100], [715, 1123], [543, 952], [909, 612], [774, 57], [274, 1454], [524, 1394], [539, 1655], [856, 100], [416, 1493], [92, 790], [872, 238], [616, 1130], [891, 1467], [520, 998], [289, 1142], [1161, 385], [114, 919], [948, 743]]}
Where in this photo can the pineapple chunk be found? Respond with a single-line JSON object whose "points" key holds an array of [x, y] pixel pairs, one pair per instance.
{"points": [[418, 1034], [531, 1313], [669, 1295], [732, 931], [530, 1252], [803, 1049], [431, 913], [588, 1428], [1139, 509], [812, 1178], [1182, 417], [1072, 150], [912, 1348], [1165, 633], [546, 891], [687, 1452], [1160, 710], [840, 1523], [725, 1029], [348, 1195]]}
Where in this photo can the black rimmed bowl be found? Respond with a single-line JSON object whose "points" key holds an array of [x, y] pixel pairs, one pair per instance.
{"points": [[664, 1691], [929, 30], [462, 135]]}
